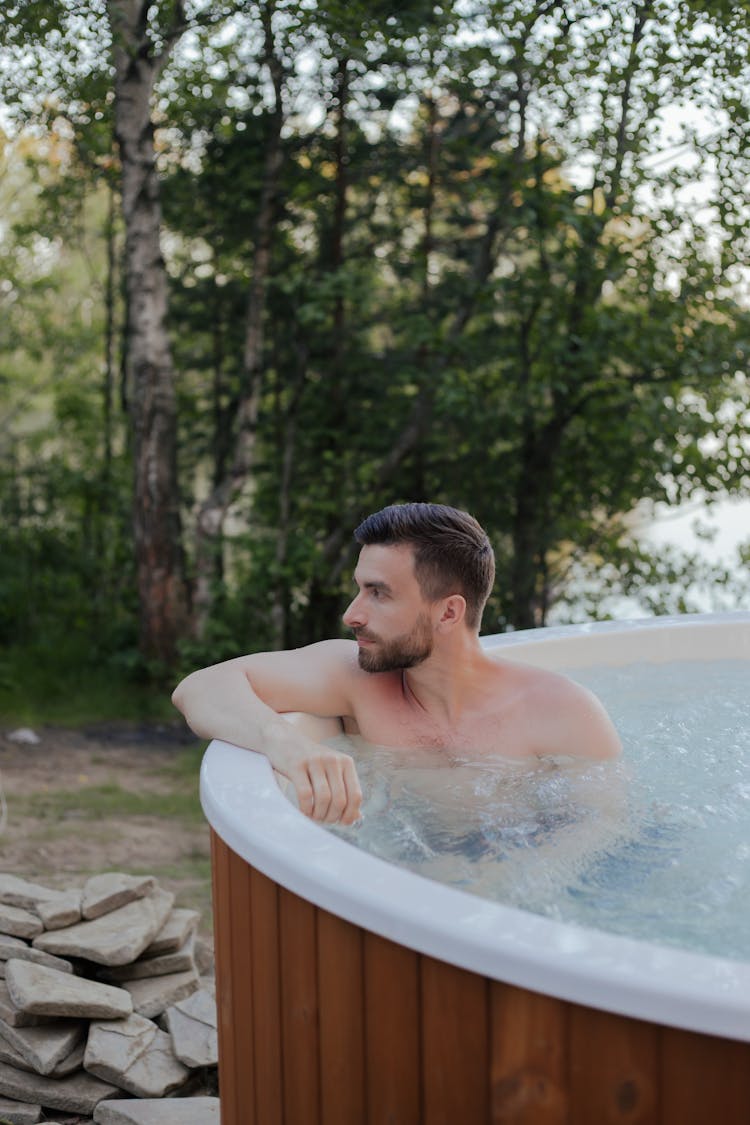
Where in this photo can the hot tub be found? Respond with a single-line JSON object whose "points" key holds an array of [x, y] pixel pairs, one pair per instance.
{"points": [[355, 992]]}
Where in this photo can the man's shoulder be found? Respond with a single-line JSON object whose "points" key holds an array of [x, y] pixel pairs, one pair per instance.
{"points": [[554, 692], [565, 715], [533, 682]]}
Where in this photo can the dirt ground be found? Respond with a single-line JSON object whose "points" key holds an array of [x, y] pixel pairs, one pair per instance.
{"points": [[110, 797]]}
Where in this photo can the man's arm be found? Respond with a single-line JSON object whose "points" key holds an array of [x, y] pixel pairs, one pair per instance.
{"points": [[241, 701]]}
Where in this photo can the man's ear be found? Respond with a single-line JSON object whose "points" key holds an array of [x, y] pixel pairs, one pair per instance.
{"points": [[452, 612]]}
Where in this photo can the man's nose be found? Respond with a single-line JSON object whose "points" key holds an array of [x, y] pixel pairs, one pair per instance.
{"points": [[353, 615]]}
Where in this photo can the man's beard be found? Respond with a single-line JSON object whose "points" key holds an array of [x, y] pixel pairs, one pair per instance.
{"points": [[405, 651]]}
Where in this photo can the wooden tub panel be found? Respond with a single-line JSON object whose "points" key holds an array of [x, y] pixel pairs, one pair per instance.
{"points": [[455, 1044], [324, 1023], [392, 1033], [300, 1041], [528, 1062], [342, 1025], [613, 1069], [263, 999], [228, 986], [704, 1079]]}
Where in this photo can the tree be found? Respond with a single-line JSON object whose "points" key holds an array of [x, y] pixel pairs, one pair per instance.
{"points": [[143, 36], [428, 252]]}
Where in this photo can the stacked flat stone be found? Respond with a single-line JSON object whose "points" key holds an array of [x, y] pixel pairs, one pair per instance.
{"points": [[101, 997]]}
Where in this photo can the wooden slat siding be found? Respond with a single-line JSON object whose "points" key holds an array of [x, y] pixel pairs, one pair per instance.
{"points": [[342, 1031], [704, 1079], [417, 1022], [528, 1058], [455, 1045], [229, 1079], [299, 1010], [614, 1069], [264, 1006], [392, 1033], [241, 981]]}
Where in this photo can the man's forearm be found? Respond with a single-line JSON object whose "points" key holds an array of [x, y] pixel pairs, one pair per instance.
{"points": [[220, 703]]}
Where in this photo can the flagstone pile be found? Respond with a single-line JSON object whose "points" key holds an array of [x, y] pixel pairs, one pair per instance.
{"points": [[103, 1010]]}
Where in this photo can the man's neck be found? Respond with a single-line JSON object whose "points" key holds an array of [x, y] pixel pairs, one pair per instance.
{"points": [[445, 683]]}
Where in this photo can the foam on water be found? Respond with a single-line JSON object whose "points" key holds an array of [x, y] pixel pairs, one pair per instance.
{"points": [[655, 846]]}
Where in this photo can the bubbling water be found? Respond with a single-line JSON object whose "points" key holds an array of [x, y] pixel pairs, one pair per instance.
{"points": [[653, 846]]}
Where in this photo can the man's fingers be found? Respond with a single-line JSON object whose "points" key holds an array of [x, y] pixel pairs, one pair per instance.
{"points": [[328, 788], [321, 790], [353, 807], [304, 790], [346, 794]]}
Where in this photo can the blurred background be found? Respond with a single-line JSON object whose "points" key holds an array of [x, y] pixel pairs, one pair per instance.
{"points": [[267, 267]]}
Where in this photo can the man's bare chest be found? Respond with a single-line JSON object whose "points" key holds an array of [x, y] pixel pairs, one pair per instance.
{"points": [[389, 719]]}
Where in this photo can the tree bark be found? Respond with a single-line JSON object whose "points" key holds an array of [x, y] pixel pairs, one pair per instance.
{"points": [[150, 371], [213, 511]]}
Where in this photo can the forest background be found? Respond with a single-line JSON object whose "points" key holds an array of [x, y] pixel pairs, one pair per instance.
{"points": [[266, 267]]}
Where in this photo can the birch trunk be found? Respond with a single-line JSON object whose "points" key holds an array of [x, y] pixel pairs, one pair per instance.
{"points": [[213, 511], [149, 370]]}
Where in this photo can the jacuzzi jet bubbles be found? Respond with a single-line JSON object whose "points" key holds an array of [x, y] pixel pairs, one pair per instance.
{"points": [[651, 846]]}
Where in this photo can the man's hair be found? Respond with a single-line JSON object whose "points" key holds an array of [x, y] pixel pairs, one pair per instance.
{"points": [[452, 554]]}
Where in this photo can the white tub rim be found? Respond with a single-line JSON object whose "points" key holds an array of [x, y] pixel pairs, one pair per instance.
{"points": [[631, 977]]}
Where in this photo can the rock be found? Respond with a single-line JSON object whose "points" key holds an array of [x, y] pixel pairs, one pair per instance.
{"points": [[66, 1065], [8, 946], [65, 910], [104, 893], [18, 922], [71, 1062], [19, 1113], [173, 1111], [25, 736], [37, 990], [19, 892], [181, 961], [44, 1048], [204, 957], [153, 995], [178, 927], [135, 1055], [20, 951], [192, 1025], [10, 1055], [77, 1093], [115, 938], [54, 908], [9, 1013], [118, 928]]}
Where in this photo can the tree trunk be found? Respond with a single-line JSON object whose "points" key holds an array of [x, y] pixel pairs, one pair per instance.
{"points": [[211, 517], [150, 372], [110, 338]]}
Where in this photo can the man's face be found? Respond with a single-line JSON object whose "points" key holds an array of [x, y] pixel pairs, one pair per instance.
{"points": [[389, 617]]}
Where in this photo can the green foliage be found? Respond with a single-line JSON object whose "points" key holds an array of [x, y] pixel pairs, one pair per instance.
{"points": [[503, 272]]}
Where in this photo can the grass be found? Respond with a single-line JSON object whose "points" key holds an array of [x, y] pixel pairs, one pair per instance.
{"points": [[185, 766], [64, 689], [94, 802]]}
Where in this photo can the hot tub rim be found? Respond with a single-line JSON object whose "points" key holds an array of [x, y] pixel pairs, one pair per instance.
{"points": [[628, 976]]}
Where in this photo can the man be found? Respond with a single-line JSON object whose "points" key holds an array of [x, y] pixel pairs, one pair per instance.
{"points": [[415, 674]]}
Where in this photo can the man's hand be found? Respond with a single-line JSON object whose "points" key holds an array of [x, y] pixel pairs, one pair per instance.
{"points": [[285, 721], [325, 780]]}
